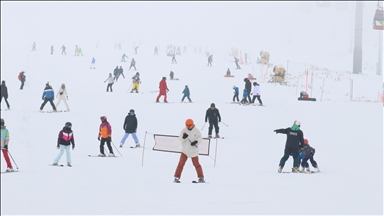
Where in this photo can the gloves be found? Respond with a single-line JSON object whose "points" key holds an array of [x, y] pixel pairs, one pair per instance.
{"points": [[194, 143], [58, 147], [6, 147], [185, 135], [42, 98], [73, 147], [98, 138]]}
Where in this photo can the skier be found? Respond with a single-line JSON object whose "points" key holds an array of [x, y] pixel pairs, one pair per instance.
{"points": [[186, 94], [123, 58], [210, 60], [163, 90], [130, 127], [173, 58], [213, 115], [121, 70], [4, 145], [64, 140], [236, 93], [133, 64], [63, 96], [171, 74], [22, 79], [48, 95], [136, 83], [105, 132], [256, 93], [190, 138], [237, 63], [63, 50], [294, 142], [52, 50], [116, 73], [4, 93], [248, 87], [245, 95], [76, 51], [137, 47], [93, 63], [80, 52], [34, 46], [156, 51], [306, 154], [228, 72], [110, 82]]}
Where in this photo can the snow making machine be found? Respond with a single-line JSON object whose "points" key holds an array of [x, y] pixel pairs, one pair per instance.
{"points": [[278, 75], [264, 58]]}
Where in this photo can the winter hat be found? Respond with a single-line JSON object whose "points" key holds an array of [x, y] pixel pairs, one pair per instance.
{"points": [[132, 111], [186, 86], [213, 105], [245, 79], [233, 87], [189, 123], [305, 141], [103, 118], [47, 83], [68, 124], [2, 122], [164, 78], [3, 82]]}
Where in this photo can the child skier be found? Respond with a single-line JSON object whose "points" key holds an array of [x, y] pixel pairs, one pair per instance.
{"points": [[307, 154], [63, 96], [256, 93], [245, 95], [186, 94], [4, 145], [105, 132], [136, 82], [130, 127], [236, 94], [64, 141]]}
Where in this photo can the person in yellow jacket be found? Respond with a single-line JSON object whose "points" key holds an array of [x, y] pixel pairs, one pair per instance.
{"points": [[136, 83], [105, 133], [190, 138]]}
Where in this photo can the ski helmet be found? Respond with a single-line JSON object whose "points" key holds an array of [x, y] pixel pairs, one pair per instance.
{"points": [[189, 123], [131, 111], [2, 122], [233, 87], [68, 124], [103, 118], [297, 123], [305, 141]]}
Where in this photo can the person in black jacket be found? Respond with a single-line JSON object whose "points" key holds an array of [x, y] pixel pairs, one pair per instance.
{"points": [[130, 127], [248, 87], [4, 93], [306, 154], [295, 141], [213, 115], [64, 142]]}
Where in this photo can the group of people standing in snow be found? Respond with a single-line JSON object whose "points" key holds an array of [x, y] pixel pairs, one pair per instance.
{"points": [[246, 97]]}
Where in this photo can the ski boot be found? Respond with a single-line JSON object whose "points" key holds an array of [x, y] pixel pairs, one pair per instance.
{"points": [[165, 101], [157, 101], [9, 169], [176, 180], [209, 136], [137, 145], [111, 155], [217, 136], [55, 164], [69, 164], [121, 145], [280, 169], [101, 155], [201, 180], [295, 170], [317, 169]]}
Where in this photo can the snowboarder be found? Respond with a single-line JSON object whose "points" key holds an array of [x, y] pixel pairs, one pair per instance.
{"points": [[123, 58], [64, 141], [237, 63], [130, 127], [248, 87], [304, 94], [4, 145], [213, 115], [93, 63], [105, 132], [133, 64], [190, 138], [245, 95], [4, 93], [210, 60], [136, 82], [22, 79], [256, 93], [110, 82], [163, 90], [307, 153], [52, 50], [63, 96], [174, 58], [63, 48], [294, 142], [236, 94], [34, 46], [48, 95], [186, 94]]}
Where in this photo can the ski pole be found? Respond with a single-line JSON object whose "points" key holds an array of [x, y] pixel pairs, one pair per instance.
{"points": [[224, 124], [12, 159], [203, 125], [116, 148], [129, 87], [27, 83]]}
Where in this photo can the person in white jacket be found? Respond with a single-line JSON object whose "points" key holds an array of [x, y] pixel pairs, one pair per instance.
{"points": [[256, 93], [110, 82], [190, 138], [63, 96]]}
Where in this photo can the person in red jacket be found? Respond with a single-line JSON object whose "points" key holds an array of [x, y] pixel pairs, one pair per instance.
{"points": [[163, 90]]}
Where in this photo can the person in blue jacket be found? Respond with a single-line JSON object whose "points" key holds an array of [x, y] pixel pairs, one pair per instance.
{"points": [[245, 95], [48, 95], [307, 152], [236, 94], [93, 63], [186, 94]]}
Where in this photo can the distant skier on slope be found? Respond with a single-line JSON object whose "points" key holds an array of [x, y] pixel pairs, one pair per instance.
{"points": [[163, 89], [4, 145]]}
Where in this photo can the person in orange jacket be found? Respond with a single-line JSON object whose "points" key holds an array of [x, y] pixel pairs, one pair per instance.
{"points": [[105, 133], [163, 90]]}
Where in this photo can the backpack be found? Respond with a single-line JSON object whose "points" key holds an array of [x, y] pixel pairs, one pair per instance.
{"points": [[19, 77]]}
